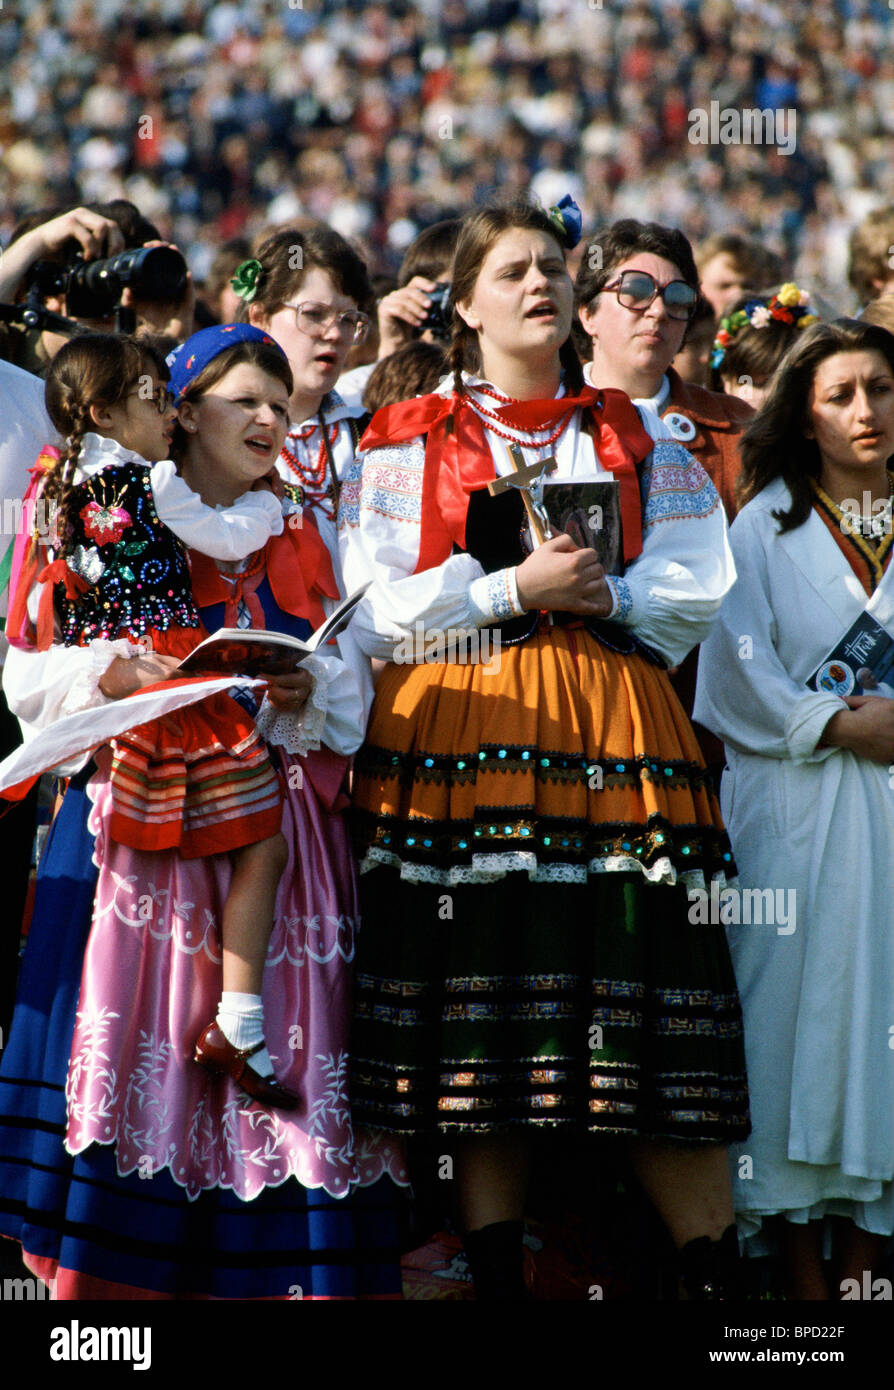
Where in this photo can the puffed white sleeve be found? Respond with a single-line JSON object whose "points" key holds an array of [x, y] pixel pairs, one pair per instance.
{"points": [[380, 530], [669, 596], [744, 694], [41, 687], [224, 533], [335, 712]]}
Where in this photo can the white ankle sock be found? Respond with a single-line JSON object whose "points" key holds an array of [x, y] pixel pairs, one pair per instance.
{"points": [[240, 1017]]}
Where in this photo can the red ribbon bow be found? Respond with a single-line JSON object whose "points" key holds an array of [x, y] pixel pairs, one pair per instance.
{"points": [[458, 460], [296, 563], [57, 572]]}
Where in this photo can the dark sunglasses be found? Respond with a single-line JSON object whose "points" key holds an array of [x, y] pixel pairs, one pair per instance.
{"points": [[636, 289]]}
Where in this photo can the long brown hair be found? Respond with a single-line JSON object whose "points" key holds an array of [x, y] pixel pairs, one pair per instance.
{"points": [[480, 229], [775, 445], [91, 369]]}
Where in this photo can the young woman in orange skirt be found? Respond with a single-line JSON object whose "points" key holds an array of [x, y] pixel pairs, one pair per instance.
{"points": [[528, 825]]}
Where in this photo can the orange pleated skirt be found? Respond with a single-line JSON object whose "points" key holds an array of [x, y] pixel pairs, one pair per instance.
{"points": [[562, 751]]}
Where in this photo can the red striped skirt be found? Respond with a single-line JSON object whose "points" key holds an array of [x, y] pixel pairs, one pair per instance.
{"points": [[199, 781]]}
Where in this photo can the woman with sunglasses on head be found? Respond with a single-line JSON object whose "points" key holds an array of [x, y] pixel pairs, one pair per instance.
{"points": [[173, 1181], [528, 826]]}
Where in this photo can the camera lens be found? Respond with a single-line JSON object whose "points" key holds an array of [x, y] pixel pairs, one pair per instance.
{"points": [[156, 273]]}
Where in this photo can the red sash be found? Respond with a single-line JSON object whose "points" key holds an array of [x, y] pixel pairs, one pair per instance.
{"points": [[458, 461], [296, 563]]}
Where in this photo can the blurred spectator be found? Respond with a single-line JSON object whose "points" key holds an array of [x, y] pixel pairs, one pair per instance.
{"points": [[871, 256], [692, 361], [217, 117], [728, 264], [217, 292], [880, 311], [412, 370], [752, 339]]}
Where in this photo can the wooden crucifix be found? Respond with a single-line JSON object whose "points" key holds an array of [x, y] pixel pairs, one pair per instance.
{"points": [[525, 478]]}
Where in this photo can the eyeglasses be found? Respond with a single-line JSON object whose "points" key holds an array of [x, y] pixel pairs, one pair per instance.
{"points": [[315, 319], [164, 398], [636, 290]]}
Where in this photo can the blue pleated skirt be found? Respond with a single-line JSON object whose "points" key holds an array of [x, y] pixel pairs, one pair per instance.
{"points": [[98, 1235]]}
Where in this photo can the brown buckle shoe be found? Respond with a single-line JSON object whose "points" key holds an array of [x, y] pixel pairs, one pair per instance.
{"points": [[221, 1058]]}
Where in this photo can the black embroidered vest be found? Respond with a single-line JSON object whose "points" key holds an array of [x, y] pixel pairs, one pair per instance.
{"points": [[137, 569]]}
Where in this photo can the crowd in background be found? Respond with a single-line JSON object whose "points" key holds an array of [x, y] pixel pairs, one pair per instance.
{"points": [[218, 118]]}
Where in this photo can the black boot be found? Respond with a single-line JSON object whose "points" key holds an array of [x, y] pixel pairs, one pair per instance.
{"points": [[712, 1269], [496, 1261]]}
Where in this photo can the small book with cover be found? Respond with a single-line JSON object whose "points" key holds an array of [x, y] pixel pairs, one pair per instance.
{"points": [[236, 651], [590, 513], [859, 663]]}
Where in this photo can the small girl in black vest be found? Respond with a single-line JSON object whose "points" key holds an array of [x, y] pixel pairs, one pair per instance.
{"points": [[199, 782]]}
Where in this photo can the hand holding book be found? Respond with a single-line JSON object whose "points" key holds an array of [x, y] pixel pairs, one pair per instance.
{"points": [[560, 576], [259, 652]]}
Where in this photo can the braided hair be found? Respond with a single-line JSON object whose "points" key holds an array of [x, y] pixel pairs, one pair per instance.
{"points": [[92, 369], [479, 231]]}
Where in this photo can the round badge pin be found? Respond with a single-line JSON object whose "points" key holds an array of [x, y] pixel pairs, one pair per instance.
{"points": [[680, 426], [836, 678]]}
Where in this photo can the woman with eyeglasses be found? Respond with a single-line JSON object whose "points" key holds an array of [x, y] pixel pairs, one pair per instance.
{"points": [[636, 291], [239, 1177], [529, 824], [309, 290]]}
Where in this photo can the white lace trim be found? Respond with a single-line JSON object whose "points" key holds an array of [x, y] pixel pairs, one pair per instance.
{"points": [[97, 453], [84, 689], [488, 868], [302, 732]]}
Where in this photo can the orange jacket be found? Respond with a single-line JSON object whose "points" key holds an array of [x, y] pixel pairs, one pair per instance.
{"points": [[717, 420]]}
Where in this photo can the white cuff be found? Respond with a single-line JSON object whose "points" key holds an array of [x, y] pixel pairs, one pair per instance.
{"points": [[301, 732], [494, 597], [84, 691], [805, 724], [223, 533]]}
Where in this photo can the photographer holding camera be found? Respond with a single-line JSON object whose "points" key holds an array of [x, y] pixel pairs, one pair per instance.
{"points": [[419, 309], [101, 266]]}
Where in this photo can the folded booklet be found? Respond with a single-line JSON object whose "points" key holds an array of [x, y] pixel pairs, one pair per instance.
{"points": [[237, 651], [859, 663], [590, 513]]}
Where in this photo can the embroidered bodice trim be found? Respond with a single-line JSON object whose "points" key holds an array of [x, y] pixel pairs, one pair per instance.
{"points": [[136, 570]]}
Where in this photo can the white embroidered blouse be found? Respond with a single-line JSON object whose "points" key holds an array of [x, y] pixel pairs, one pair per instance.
{"points": [[668, 596]]}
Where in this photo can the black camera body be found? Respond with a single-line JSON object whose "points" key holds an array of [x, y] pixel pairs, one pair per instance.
{"points": [[92, 289], [439, 316]]}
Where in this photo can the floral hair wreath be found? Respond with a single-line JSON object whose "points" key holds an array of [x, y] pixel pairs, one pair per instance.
{"points": [[790, 305], [245, 280]]}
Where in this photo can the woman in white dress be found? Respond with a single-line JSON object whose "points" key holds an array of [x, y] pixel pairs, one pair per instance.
{"points": [[807, 798]]}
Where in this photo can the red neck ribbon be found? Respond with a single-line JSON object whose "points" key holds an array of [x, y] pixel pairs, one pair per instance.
{"points": [[296, 563], [458, 460]]}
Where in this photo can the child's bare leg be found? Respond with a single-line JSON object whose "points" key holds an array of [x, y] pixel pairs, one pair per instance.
{"points": [[248, 914]]}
